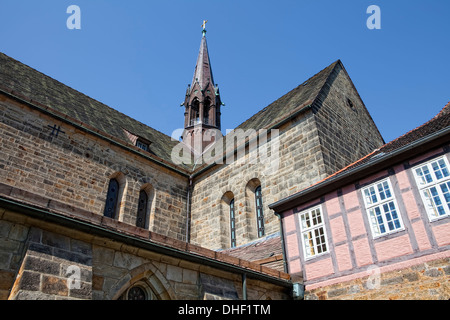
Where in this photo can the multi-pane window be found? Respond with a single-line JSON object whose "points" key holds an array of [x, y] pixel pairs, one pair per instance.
{"points": [[232, 224], [259, 211], [381, 208], [314, 236], [433, 180], [111, 199]]}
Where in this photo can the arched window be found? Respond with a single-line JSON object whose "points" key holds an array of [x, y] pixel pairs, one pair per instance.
{"points": [[259, 212], [136, 293], [142, 209], [111, 199], [195, 112], [206, 107], [139, 291], [232, 224]]}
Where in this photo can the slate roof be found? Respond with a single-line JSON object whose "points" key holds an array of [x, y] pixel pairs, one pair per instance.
{"points": [[203, 71], [419, 140], [265, 251], [297, 98]]}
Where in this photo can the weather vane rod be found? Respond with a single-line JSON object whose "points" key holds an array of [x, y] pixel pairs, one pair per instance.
{"points": [[204, 26]]}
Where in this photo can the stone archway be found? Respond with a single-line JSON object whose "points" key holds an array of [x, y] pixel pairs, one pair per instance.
{"points": [[146, 273]]}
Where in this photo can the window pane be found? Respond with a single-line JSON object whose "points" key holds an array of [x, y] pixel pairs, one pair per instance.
{"points": [[306, 223], [314, 237], [440, 169], [424, 174], [232, 225], [371, 196], [259, 211], [381, 191], [436, 191], [309, 244], [445, 188], [387, 190]]}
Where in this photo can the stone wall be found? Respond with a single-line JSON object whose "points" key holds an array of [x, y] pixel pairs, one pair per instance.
{"points": [[41, 260], [297, 165], [425, 281], [12, 245], [54, 266], [346, 129], [335, 132], [74, 167]]}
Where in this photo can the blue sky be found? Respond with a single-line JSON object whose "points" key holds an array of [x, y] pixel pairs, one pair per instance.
{"points": [[139, 56]]}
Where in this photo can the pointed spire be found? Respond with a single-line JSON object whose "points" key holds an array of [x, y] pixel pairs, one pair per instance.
{"points": [[203, 72]]}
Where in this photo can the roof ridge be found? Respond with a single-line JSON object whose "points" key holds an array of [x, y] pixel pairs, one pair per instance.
{"points": [[436, 117], [445, 110]]}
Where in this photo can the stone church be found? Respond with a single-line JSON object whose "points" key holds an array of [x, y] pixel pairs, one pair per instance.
{"points": [[97, 205]]}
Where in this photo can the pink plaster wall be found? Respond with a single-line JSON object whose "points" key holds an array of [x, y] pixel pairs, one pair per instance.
{"points": [[343, 258], [366, 250], [295, 266], [289, 222], [356, 223], [319, 268], [292, 245], [362, 252], [442, 234], [421, 235], [338, 229], [393, 248], [350, 197], [332, 203]]}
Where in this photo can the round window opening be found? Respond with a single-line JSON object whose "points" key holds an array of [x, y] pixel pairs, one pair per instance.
{"points": [[137, 293]]}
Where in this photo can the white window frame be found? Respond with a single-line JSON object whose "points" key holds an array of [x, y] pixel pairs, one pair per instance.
{"points": [[380, 206], [433, 181], [313, 232]]}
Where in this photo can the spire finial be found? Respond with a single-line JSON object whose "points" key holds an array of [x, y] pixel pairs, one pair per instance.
{"points": [[204, 27]]}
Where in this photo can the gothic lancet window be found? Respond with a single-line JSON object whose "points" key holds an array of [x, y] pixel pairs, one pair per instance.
{"points": [[259, 212], [232, 224], [195, 112], [111, 199], [142, 209], [206, 108]]}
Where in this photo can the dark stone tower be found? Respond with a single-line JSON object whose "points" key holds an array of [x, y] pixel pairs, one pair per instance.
{"points": [[202, 105]]}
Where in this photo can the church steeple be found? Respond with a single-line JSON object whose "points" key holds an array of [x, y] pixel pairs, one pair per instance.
{"points": [[202, 103]]}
